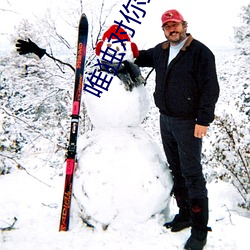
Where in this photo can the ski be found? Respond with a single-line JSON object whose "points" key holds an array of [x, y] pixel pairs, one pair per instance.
{"points": [[71, 160]]}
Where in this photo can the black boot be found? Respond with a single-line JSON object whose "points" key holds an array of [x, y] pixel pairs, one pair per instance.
{"points": [[199, 215], [197, 240], [182, 220]]}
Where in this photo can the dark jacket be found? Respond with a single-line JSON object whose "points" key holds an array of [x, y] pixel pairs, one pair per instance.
{"points": [[188, 87]]}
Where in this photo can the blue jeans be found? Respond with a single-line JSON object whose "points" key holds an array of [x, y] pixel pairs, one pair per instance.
{"points": [[183, 152]]}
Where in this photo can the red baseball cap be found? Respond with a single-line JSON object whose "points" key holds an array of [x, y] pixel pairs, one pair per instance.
{"points": [[171, 16]]}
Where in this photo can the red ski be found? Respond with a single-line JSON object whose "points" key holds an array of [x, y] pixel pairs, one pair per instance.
{"points": [[71, 153]]}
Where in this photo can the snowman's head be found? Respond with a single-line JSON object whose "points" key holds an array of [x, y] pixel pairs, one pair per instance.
{"points": [[116, 39]]}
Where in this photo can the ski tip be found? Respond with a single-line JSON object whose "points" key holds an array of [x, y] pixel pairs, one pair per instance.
{"points": [[83, 20], [84, 16]]}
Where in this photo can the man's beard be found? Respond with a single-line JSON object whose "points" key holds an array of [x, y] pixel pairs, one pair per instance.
{"points": [[182, 36]]}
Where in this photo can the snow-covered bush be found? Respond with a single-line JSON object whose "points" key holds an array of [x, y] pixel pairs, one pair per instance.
{"points": [[35, 103], [242, 33], [231, 154], [230, 139]]}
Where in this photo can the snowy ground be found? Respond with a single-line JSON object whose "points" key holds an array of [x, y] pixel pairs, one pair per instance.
{"points": [[37, 208]]}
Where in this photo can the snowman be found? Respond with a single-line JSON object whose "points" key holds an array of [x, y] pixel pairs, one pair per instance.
{"points": [[122, 178]]}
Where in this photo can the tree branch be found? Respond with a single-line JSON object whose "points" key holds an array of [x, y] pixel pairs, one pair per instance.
{"points": [[10, 227], [19, 166], [57, 60]]}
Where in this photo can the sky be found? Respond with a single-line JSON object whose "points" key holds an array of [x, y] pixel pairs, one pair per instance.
{"points": [[210, 22]]}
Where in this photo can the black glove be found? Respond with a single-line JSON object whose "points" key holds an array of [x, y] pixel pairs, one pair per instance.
{"points": [[24, 47], [133, 70]]}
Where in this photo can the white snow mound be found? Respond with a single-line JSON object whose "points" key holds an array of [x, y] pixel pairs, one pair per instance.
{"points": [[122, 178]]}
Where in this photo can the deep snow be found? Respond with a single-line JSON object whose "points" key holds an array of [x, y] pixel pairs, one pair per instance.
{"points": [[37, 208]]}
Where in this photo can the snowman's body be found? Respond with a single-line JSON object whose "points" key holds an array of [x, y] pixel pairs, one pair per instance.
{"points": [[122, 177]]}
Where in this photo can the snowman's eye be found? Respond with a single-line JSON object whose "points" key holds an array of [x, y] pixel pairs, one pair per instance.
{"points": [[117, 48], [109, 45]]}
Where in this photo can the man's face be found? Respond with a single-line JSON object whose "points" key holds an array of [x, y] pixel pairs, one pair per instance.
{"points": [[174, 32]]}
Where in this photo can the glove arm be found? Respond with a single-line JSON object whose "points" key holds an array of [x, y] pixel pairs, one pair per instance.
{"points": [[24, 47]]}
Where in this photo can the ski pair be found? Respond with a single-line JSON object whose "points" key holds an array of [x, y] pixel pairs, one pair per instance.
{"points": [[71, 152]]}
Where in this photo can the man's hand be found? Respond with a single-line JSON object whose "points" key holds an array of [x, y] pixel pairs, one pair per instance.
{"points": [[24, 47], [200, 131]]}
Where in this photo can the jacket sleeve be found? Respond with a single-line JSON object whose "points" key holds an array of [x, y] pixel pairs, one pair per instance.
{"points": [[145, 58], [208, 88]]}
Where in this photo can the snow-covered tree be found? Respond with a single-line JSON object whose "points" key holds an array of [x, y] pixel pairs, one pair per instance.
{"points": [[36, 95], [230, 155], [242, 33], [34, 105]]}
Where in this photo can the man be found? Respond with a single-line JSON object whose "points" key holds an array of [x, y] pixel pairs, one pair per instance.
{"points": [[186, 93]]}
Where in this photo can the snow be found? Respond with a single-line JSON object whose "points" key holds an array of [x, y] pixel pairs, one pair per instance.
{"points": [[122, 182], [117, 107], [37, 208]]}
